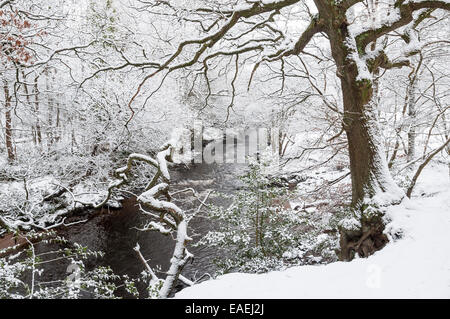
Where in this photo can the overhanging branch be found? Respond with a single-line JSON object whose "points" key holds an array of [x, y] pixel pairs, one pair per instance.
{"points": [[314, 27], [406, 11], [208, 41], [4, 3]]}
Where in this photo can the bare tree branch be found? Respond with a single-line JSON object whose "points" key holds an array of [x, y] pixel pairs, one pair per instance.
{"points": [[422, 166], [406, 11]]}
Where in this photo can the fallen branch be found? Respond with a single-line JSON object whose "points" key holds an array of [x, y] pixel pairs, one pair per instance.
{"points": [[171, 217]]}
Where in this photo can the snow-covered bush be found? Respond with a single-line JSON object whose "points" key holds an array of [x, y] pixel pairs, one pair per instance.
{"points": [[258, 228], [23, 274]]}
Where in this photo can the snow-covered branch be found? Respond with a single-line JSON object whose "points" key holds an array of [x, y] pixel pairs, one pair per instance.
{"points": [[4, 3], [405, 11], [171, 219], [233, 17]]}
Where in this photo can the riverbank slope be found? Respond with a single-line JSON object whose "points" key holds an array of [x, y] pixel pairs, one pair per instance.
{"points": [[416, 266]]}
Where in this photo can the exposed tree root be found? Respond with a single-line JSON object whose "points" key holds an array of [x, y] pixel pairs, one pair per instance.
{"points": [[365, 240]]}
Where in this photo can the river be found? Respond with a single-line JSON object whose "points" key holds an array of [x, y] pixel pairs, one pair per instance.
{"points": [[114, 231]]}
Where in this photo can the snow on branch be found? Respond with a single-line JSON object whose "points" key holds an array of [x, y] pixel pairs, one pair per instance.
{"points": [[208, 41], [346, 4], [295, 48], [405, 10], [171, 219], [4, 3]]}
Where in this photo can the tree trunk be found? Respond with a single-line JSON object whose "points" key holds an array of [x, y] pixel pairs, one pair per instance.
{"points": [[370, 175], [411, 120], [36, 110], [8, 124], [371, 178], [58, 131], [372, 183], [50, 111], [30, 105]]}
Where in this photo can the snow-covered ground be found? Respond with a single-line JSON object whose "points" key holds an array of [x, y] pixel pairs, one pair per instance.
{"points": [[416, 266]]}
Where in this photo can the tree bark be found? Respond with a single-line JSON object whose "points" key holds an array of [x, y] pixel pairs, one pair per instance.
{"points": [[58, 131], [411, 97], [8, 124], [369, 170], [50, 111], [36, 110], [372, 183], [28, 98]]}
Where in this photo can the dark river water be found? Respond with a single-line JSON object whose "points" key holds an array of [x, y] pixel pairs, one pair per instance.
{"points": [[114, 232]]}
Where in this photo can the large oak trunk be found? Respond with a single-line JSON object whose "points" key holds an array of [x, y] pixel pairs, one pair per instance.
{"points": [[371, 179], [372, 183], [369, 169]]}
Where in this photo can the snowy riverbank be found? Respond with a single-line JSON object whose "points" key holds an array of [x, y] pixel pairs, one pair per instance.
{"points": [[416, 266]]}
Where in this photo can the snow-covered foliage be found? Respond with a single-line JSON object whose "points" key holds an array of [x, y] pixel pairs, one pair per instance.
{"points": [[88, 86], [416, 266], [260, 231], [23, 274]]}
